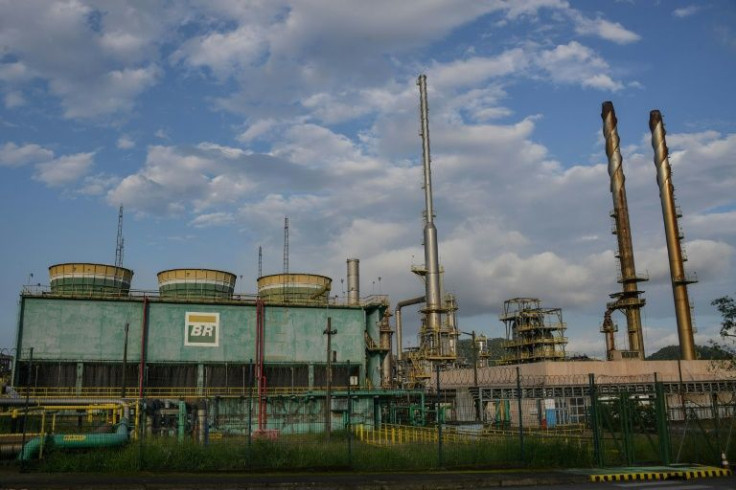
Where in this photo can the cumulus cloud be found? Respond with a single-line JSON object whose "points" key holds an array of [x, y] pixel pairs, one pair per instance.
{"points": [[64, 170], [575, 63], [95, 63], [12, 155], [125, 143]]}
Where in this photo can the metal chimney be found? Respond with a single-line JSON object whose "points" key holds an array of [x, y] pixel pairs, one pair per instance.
{"points": [[673, 236], [433, 306], [353, 282], [628, 300]]}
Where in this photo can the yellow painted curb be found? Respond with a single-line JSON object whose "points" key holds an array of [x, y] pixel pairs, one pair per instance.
{"points": [[661, 475]]}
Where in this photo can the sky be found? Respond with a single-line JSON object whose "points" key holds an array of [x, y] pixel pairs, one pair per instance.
{"points": [[210, 121]]}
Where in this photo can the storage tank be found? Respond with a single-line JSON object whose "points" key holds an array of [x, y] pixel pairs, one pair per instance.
{"points": [[196, 284], [90, 279], [306, 289]]}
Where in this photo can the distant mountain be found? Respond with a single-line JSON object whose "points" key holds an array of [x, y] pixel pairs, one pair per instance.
{"points": [[672, 353]]}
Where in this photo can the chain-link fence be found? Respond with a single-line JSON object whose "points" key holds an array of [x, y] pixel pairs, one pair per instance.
{"points": [[462, 419]]}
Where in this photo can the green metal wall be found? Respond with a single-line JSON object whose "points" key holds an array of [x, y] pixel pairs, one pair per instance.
{"points": [[94, 330]]}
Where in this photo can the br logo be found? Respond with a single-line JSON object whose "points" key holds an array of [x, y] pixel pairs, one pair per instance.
{"points": [[202, 329]]}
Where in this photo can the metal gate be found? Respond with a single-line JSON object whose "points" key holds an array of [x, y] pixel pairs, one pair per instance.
{"points": [[629, 426]]}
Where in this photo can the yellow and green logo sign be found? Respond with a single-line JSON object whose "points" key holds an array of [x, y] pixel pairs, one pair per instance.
{"points": [[202, 329]]}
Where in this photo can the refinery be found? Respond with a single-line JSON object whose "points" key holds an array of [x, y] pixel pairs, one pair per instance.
{"points": [[198, 358]]}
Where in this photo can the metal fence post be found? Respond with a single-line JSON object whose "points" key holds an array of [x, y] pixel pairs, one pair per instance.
{"points": [[250, 405], [594, 422], [439, 422], [521, 415], [350, 429], [662, 424]]}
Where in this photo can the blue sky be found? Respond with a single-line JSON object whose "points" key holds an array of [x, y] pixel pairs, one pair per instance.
{"points": [[212, 120]]}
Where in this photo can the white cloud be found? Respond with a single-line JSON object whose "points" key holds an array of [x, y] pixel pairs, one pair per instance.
{"points": [[97, 185], [12, 155], [212, 219], [125, 143], [109, 93], [64, 170], [14, 99], [611, 31], [15, 72], [96, 63], [574, 63], [688, 11]]}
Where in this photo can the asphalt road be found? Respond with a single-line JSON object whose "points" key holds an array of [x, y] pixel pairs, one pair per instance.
{"points": [[337, 481]]}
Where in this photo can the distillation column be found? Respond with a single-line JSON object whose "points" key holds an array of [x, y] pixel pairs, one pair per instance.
{"points": [[433, 306], [672, 235], [627, 301]]}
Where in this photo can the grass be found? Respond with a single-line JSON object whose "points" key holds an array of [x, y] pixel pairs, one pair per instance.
{"points": [[313, 453]]}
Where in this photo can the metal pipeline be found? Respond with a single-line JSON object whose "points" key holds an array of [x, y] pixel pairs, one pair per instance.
{"points": [[672, 235], [629, 301], [431, 255], [399, 306], [76, 441], [353, 282]]}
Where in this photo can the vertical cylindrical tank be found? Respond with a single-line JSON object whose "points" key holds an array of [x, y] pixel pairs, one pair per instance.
{"points": [[89, 279], [353, 282], [196, 284], [672, 236], [306, 289]]}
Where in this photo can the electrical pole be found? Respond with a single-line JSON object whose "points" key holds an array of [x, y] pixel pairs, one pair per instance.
{"points": [[328, 397]]}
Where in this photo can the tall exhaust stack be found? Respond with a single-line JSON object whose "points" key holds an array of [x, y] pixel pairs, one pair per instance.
{"points": [[353, 282], [673, 236], [628, 301], [433, 306]]}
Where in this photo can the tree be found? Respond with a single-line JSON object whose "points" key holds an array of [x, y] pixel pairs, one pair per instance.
{"points": [[727, 308]]}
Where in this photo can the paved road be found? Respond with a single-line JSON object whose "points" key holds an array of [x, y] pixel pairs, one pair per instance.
{"points": [[337, 481], [726, 483], [562, 480]]}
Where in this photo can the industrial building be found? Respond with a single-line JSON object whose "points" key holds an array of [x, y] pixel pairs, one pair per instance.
{"points": [[309, 362], [89, 333]]}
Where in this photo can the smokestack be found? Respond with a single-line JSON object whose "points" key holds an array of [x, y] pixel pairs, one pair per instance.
{"points": [[672, 235], [627, 301], [353, 282], [431, 256]]}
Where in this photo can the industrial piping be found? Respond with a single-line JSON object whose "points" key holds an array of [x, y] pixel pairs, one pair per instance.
{"points": [[431, 256], [76, 441], [672, 235], [628, 301], [399, 306]]}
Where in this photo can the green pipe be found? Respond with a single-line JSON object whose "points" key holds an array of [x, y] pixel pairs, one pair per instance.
{"points": [[182, 420], [76, 441]]}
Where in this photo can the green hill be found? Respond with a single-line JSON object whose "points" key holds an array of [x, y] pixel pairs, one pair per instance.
{"points": [[672, 353]]}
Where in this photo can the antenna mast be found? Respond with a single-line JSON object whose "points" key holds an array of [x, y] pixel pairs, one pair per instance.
{"points": [[120, 244], [286, 245]]}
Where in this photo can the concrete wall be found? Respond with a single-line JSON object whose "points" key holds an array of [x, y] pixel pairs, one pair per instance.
{"points": [[577, 372]]}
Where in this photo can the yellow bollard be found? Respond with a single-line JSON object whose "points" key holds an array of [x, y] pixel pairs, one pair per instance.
{"points": [[393, 435]]}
